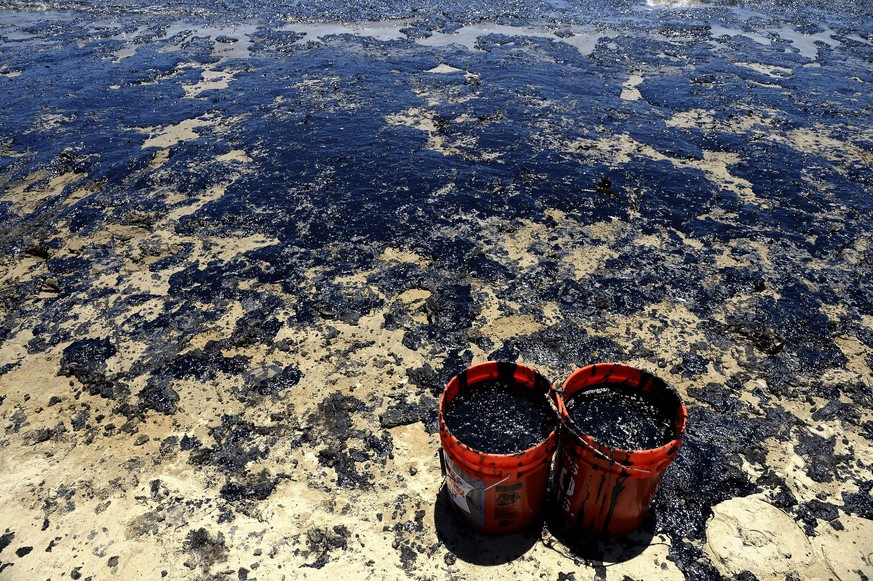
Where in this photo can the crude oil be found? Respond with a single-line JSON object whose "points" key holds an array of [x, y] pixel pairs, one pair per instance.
{"points": [[495, 417], [621, 417]]}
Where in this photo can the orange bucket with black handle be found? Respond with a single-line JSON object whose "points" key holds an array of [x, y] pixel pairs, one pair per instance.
{"points": [[497, 493], [600, 490]]}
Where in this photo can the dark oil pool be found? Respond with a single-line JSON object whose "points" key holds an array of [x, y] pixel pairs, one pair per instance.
{"points": [[621, 417], [496, 417]]}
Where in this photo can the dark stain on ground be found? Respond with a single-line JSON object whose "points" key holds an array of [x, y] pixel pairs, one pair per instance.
{"points": [[206, 363], [861, 502], [706, 472], [408, 515], [7, 367], [6, 539], [323, 542], [273, 380], [205, 549], [59, 501], [426, 378], [405, 412], [252, 487], [237, 443], [86, 361], [157, 395], [344, 448], [562, 345], [40, 435]]}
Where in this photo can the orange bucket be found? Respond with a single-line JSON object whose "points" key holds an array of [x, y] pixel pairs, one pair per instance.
{"points": [[604, 491], [496, 493]]}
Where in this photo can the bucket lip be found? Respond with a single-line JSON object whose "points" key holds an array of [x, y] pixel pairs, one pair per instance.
{"points": [[543, 444], [607, 452], [656, 455], [542, 448]]}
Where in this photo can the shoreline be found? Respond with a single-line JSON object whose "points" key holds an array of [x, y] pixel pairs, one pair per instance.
{"points": [[240, 267]]}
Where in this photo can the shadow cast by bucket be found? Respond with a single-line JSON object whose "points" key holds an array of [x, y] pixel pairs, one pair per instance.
{"points": [[478, 548], [594, 548]]}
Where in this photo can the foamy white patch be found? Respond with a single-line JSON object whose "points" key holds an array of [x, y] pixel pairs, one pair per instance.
{"points": [[716, 30], [806, 44], [210, 80], [16, 36], [31, 15], [769, 70], [123, 53], [444, 69], [584, 42], [673, 3], [468, 36], [858, 38], [629, 91], [228, 42], [384, 31]]}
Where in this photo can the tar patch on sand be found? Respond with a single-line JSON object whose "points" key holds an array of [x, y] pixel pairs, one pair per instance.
{"points": [[238, 262]]}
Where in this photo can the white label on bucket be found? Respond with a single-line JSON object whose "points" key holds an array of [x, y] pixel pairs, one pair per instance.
{"points": [[460, 487]]}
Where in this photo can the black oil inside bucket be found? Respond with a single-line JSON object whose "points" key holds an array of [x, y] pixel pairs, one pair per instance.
{"points": [[495, 417], [623, 418]]}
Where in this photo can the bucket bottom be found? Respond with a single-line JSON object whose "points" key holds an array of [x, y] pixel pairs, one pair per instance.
{"points": [[480, 548], [598, 547], [595, 501]]}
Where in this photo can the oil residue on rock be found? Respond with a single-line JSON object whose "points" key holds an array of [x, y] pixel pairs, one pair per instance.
{"points": [[496, 417], [621, 417]]}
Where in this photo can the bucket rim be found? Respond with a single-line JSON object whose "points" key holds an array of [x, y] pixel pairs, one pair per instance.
{"points": [[521, 374], [617, 374]]}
